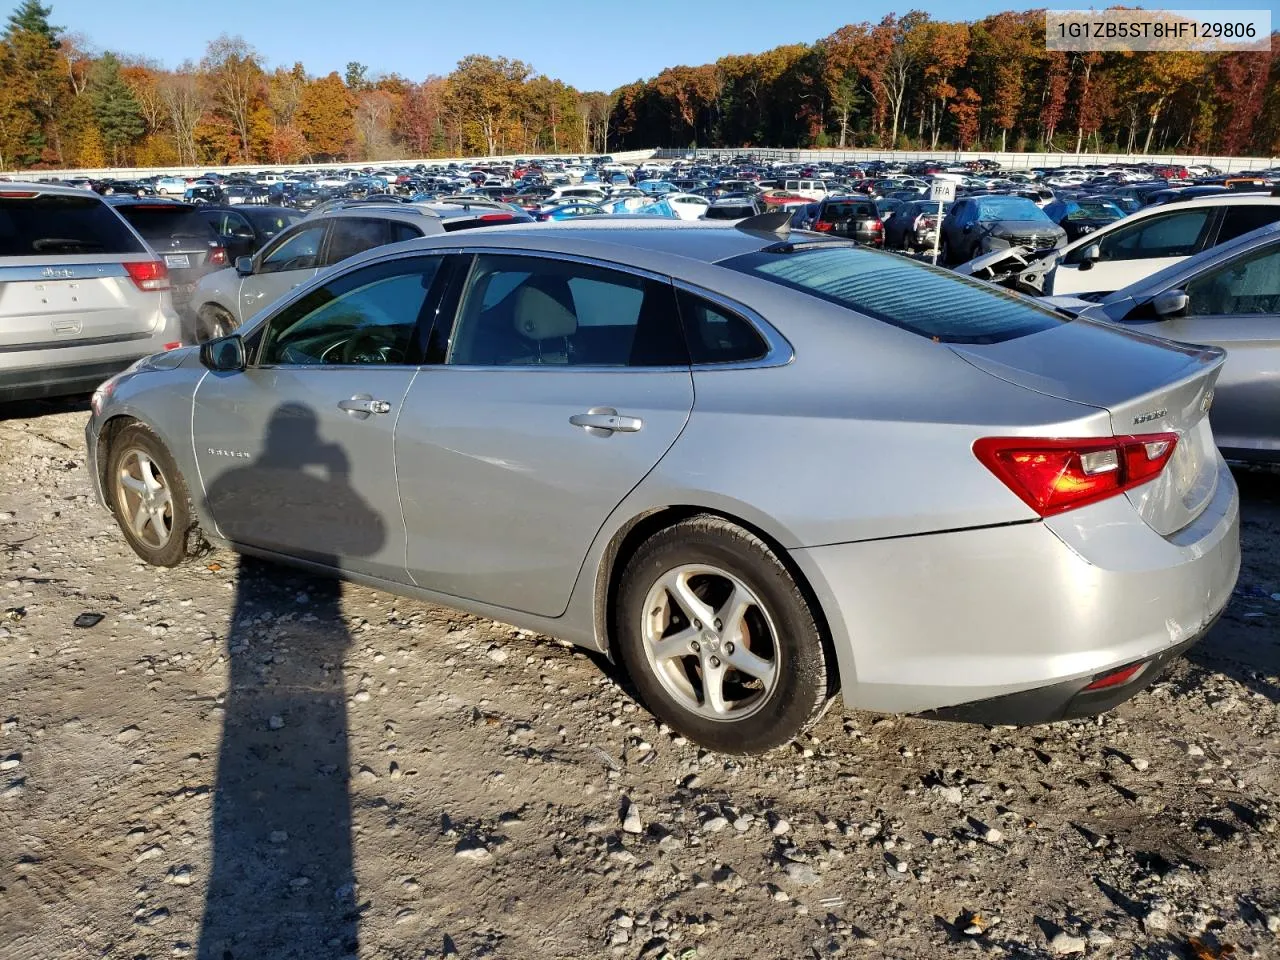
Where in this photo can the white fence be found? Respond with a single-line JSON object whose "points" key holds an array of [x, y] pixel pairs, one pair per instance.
{"points": [[126, 173], [1007, 160]]}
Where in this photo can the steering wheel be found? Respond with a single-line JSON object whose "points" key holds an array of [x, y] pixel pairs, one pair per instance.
{"points": [[364, 347]]}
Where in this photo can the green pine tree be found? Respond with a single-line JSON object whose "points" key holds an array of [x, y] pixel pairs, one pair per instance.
{"points": [[115, 107], [33, 17]]}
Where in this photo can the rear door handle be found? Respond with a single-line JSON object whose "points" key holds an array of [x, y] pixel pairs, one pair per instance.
{"points": [[364, 405], [603, 421]]}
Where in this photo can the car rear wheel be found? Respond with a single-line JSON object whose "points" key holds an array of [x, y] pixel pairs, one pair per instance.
{"points": [[719, 639], [213, 322], [149, 497]]}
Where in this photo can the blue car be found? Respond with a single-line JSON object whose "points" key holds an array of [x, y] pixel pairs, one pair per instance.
{"points": [[566, 211]]}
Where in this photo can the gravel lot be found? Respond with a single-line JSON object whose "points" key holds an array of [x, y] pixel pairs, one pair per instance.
{"points": [[242, 763]]}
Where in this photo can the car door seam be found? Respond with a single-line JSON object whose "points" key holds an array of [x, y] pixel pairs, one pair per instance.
{"points": [[395, 470]]}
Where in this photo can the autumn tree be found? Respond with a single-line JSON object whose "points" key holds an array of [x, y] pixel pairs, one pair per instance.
{"points": [[944, 50], [1241, 88], [1054, 97], [326, 117], [482, 96], [235, 82], [965, 108], [184, 99], [37, 75]]}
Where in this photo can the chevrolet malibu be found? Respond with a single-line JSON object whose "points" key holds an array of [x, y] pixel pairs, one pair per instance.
{"points": [[756, 468]]}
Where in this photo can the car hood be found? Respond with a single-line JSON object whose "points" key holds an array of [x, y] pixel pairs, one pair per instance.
{"points": [[1009, 227]]}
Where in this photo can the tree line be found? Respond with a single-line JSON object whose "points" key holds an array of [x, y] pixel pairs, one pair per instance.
{"points": [[905, 82], [910, 82], [64, 105]]}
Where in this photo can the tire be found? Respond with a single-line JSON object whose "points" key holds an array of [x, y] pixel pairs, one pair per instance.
{"points": [[167, 533], [785, 683], [212, 322]]}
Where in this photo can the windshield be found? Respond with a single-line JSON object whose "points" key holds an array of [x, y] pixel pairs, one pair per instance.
{"points": [[1095, 210], [1008, 208], [925, 300]]}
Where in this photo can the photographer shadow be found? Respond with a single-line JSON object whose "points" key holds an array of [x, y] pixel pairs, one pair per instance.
{"points": [[282, 881]]}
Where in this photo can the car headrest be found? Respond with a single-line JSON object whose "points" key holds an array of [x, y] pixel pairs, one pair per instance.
{"points": [[539, 316]]}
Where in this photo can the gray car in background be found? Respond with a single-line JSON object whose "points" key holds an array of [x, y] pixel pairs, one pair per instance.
{"points": [[222, 301], [982, 224], [755, 467], [1227, 296], [81, 295]]}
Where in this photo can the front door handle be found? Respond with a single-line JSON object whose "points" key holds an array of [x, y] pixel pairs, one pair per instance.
{"points": [[362, 405], [604, 421]]}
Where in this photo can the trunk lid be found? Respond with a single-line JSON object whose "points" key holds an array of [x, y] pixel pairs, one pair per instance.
{"points": [[71, 304], [1148, 385]]}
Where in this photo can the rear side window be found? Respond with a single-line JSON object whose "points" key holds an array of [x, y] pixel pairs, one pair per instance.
{"points": [[1238, 221], [352, 235], [160, 222], [925, 300], [55, 225], [716, 334]]}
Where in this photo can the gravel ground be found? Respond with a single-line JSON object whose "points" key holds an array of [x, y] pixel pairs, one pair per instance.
{"points": [[242, 763]]}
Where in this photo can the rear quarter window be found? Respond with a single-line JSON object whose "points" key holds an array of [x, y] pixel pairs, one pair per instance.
{"points": [[58, 225], [924, 300]]}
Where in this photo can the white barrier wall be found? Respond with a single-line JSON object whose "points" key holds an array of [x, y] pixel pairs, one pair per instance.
{"points": [[125, 173], [1007, 160]]}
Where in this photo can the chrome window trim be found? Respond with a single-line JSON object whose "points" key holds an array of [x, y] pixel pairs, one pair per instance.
{"points": [[779, 352], [261, 320]]}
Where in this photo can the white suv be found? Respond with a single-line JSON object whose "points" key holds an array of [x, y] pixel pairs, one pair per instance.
{"points": [[1146, 242], [83, 295]]}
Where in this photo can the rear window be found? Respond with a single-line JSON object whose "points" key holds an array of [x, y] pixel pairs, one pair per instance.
{"points": [[925, 300], [843, 211], [56, 225], [163, 223], [729, 212]]}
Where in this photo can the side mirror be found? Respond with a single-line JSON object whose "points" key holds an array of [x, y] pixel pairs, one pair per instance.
{"points": [[244, 266], [1092, 252], [1170, 303], [223, 355]]}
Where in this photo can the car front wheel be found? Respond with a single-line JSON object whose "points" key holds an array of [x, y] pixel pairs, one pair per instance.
{"points": [[719, 639], [149, 497]]}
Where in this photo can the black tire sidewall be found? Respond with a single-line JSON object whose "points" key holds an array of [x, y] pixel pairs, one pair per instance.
{"points": [[137, 436], [799, 650]]}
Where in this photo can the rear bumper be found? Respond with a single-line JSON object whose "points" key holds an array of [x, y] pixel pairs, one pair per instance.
{"points": [[64, 380], [1068, 700], [930, 623]]}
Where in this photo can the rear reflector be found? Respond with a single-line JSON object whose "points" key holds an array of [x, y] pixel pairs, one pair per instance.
{"points": [[148, 274], [1116, 677], [1051, 476]]}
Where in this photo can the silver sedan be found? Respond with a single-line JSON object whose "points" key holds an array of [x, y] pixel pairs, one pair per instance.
{"points": [[756, 468]]}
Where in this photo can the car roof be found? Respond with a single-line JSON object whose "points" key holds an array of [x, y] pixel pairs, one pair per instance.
{"points": [[23, 186], [646, 242]]}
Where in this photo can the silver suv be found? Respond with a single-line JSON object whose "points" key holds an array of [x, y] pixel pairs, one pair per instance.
{"points": [[81, 295], [226, 299]]}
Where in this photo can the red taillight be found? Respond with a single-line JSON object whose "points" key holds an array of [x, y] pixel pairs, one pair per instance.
{"points": [[217, 255], [1051, 476], [822, 226], [1116, 677], [491, 217], [877, 226], [148, 274], [174, 345]]}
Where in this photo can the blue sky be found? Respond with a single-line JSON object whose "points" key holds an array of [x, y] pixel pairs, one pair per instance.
{"points": [[594, 46]]}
